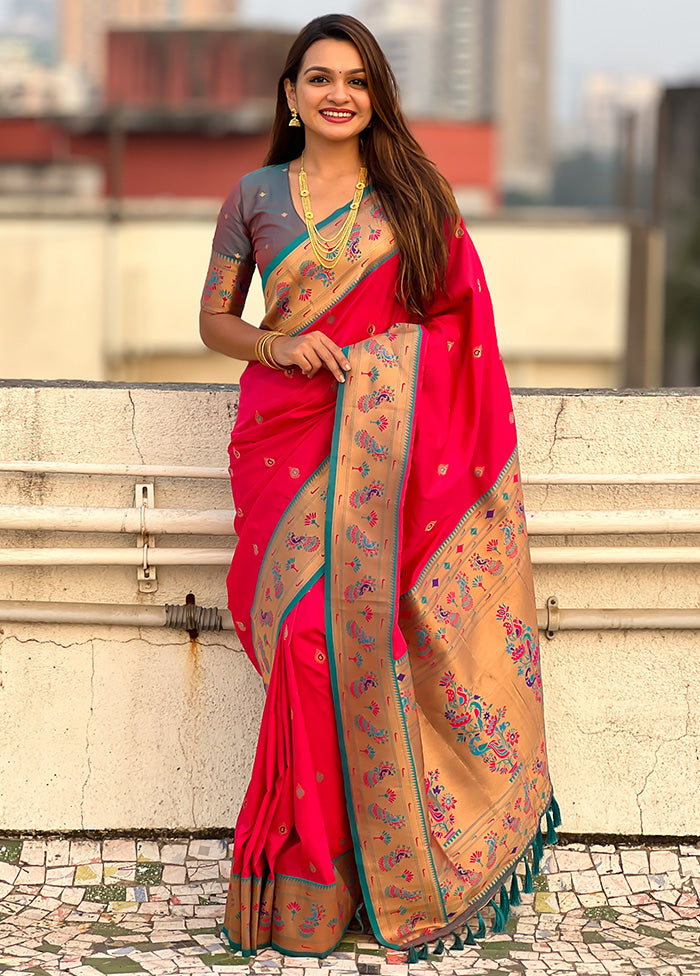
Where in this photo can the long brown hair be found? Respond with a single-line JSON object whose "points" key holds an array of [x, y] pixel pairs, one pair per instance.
{"points": [[416, 199]]}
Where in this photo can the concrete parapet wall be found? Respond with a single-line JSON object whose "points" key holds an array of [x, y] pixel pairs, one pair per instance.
{"points": [[87, 297], [112, 728]]}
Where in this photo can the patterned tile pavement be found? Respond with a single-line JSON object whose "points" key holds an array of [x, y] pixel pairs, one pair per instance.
{"points": [[85, 907]]}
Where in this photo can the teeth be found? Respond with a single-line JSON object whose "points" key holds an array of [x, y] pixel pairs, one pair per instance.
{"points": [[339, 115]]}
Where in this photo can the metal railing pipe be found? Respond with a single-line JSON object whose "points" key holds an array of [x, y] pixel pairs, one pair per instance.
{"points": [[137, 470], [203, 471], [114, 614], [156, 556], [636, 619], [606, 478], [613, 555], [167, 556], [134, 521], [211, 618], [173, 521]]}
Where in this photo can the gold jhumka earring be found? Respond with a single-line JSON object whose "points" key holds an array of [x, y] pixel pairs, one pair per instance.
{"points": [[294, 122]]}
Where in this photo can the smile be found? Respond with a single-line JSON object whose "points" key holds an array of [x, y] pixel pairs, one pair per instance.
{"points": [[341, 116]]}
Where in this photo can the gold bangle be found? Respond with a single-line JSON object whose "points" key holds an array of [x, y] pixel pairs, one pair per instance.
{"points": [[269, 352], [258, 344], [265, 357], [262, 352]]}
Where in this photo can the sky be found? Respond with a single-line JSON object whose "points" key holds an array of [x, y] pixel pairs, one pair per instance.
{"points": [[660, 38]]}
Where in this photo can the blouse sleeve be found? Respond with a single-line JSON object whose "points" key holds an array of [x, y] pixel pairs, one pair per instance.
{"points": [[232, 260]]}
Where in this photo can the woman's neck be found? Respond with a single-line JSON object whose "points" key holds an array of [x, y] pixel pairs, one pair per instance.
{"points": [[329, 161]]}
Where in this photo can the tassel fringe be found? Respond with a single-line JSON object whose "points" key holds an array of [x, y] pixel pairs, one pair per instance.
{"points": [[499, 922], [507, 898], [505, 903], [358, 917], [514, 890], [537, 851]]}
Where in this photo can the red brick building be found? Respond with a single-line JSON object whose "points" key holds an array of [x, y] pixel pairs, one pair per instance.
{"points": [[188, 112]]}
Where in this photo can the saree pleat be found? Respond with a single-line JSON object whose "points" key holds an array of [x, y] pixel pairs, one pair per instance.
{"points": [[293, 868], [382, 587]]}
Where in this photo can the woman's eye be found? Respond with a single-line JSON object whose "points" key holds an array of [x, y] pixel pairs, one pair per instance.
{"points": [[359, 82], [317, 78]]}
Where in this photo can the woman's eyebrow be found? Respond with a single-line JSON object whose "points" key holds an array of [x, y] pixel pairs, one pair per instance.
{"points": [[319, 67]]}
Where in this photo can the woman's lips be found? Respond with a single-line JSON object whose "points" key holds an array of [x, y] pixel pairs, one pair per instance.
{"points": [[332, 115]]}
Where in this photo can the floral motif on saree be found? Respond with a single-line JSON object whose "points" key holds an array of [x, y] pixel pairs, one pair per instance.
{"points": [[298, 290]]}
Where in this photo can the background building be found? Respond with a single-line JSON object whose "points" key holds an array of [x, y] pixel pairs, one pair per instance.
{"points": [[33, 22], [408, 33], [523, 96], [186, 98], [84, 25], [477, 60], [467, 52], [678, 208]]}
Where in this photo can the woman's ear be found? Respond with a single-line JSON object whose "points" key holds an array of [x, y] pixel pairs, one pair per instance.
{"points": [[290, 93]]}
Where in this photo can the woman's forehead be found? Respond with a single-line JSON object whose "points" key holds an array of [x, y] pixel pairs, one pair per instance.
{"points": [[331, 52]]}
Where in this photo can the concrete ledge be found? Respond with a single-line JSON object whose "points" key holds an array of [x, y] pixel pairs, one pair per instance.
{"points": [[121, 729]]}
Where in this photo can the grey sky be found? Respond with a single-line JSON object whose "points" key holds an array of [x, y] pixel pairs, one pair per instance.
{"points": [[621, 37]]}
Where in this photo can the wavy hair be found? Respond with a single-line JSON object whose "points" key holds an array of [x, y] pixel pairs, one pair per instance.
{"points": [[416, 199]]}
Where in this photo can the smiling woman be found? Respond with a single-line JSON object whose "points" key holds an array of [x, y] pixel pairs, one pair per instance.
{"points": [[381, 583], [330, 92]]}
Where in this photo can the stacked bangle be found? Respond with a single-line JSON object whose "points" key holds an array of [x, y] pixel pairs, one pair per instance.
{"points": [[263, 352]]}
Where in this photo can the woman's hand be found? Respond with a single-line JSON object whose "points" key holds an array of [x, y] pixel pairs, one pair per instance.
{"points": [[310, 352]]}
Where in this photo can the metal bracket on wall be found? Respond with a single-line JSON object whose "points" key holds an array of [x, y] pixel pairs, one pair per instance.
{"points": [[144, 497], [552, 625]]}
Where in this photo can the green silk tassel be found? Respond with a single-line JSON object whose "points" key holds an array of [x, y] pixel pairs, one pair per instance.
{"points": [[514, 891], [499, 922], [505, 903]]}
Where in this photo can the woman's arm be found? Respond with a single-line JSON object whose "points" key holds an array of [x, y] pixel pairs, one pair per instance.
{"points": [[311, 351], [228, 334]]}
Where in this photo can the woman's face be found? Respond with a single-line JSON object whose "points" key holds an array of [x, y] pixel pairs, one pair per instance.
{"points": [[331, 93]]}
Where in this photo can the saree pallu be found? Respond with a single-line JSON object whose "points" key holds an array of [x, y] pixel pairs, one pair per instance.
{"points": [[382, 587]]}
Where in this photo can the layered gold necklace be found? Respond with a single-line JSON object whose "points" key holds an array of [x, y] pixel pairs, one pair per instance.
{"points": [[328, 250]]}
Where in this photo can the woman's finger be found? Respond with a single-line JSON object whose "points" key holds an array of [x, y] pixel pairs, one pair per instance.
{"points": [[334, 359], [310, 353]]}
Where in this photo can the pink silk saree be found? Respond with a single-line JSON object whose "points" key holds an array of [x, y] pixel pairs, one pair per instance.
{"points": [[382, 587]]}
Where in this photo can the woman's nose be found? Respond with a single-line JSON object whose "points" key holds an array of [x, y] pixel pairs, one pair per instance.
{"points": [[338, 91]]}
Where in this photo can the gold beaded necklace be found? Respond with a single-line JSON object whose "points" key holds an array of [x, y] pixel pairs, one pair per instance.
{"points": [[328, 250]]}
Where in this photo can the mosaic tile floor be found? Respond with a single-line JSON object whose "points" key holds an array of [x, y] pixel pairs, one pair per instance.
{"points": [[122, 906]]}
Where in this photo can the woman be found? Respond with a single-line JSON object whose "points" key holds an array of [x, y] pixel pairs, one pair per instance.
{"points": [[381, 582]]}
